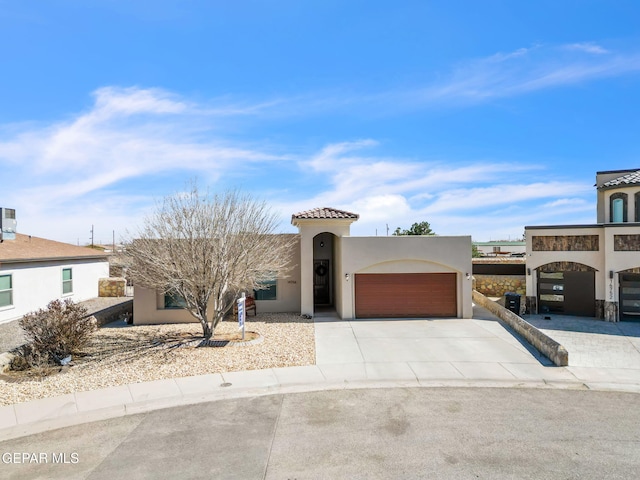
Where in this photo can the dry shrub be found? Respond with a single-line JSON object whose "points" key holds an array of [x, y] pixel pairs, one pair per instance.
{"points": [[55, 332]]}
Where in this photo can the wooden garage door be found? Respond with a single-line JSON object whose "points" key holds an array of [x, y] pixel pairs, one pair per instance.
{"points": [[387, 295]]}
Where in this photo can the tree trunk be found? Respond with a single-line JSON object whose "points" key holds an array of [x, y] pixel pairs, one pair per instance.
{"points": [[206, 330]]}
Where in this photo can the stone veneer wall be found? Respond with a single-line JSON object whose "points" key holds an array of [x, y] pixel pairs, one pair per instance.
{"points": [[498, 285], [111, 287], [565, 243], [626, 243], [543, 343]]}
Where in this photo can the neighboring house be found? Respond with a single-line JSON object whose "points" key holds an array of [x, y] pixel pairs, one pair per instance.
{"points": [[502, 248], [359, 277], [590, 270], [34, 271]]}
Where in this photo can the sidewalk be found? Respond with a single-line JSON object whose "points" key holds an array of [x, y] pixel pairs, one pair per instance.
{"points": [[350, 355]]}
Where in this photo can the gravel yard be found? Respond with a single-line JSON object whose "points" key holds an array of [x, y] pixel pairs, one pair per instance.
{"points": [[132, 354]]}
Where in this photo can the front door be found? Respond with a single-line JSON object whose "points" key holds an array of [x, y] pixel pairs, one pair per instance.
{"points": [[570, 293], [629, 296], [321, 282]]}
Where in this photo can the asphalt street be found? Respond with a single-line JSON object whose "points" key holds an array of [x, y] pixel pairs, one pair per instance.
{"points": [[394, 433]]}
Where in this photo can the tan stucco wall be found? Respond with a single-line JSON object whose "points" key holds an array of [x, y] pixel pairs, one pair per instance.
{"points": [[287, 290], [410, 254], [148, 309], [309, 229], [603, 261], [594, 259], [148, 306], [604, 197], [617, 261]]}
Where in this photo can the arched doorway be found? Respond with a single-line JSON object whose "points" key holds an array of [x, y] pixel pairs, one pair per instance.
{"points": [[324, 270], [567, 288]]}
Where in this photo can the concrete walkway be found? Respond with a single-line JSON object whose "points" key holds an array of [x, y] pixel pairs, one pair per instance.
{"points": [[358, 354]]}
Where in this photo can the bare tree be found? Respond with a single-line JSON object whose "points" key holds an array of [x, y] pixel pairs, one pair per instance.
{"points": [[206, 249]]}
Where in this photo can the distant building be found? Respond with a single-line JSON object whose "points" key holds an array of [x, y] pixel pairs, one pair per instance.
{"points": [[34, 271], [502, 248]]}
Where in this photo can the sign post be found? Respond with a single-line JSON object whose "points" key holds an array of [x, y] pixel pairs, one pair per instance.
{"points": [[241, 313]]}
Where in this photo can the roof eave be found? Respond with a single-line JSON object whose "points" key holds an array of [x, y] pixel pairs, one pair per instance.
{"points": [[327, 221], [52, 259]]}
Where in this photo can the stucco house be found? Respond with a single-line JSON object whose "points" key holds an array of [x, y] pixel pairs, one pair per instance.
{"points": [[358, 277], [34, 271], [590, 270]]}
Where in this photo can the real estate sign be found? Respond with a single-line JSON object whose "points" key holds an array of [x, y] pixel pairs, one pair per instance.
{"points": [[241, 314]]}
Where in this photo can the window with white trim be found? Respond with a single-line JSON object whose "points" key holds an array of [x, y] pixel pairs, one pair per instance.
{"points": [[6, 290], [67, 281]]}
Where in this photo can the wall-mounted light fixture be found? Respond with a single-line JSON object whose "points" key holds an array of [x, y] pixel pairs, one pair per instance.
{"points": [[528, 271], [346, 277], [468, 275], [610, 273]]}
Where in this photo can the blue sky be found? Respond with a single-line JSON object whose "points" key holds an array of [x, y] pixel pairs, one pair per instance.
{"points": [[480, 117]]}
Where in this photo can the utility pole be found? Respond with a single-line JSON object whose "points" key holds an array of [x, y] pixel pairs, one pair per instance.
{"points": [[114, 241], [91, 236]]}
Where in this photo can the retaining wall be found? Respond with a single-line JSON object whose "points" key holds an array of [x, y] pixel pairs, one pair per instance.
{"points": [[111, 287], [543, 343], [498, 285]]}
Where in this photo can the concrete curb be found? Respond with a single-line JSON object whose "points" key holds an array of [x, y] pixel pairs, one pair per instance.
{"points": [[57, 412], [542, 342]]}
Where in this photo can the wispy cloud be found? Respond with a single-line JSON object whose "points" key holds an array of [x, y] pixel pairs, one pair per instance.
{"points": [[456, 198], [81, 170], [588, 47], [128, 133], [526, 70]]}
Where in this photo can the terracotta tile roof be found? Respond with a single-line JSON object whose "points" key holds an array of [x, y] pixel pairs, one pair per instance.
{"points": [[324, 213], [632, 178], [27, 248]]}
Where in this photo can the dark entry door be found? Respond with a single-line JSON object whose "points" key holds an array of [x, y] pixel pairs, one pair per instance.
{"points": [[570, 293], [629, 296], [580, 294], [321, 282]]}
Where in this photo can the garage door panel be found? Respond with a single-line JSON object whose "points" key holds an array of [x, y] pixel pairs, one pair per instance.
{"points": [[406, 295]]}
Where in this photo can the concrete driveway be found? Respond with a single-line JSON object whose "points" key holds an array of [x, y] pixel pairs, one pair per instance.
{"points": [[481, 347], [593, 343]]}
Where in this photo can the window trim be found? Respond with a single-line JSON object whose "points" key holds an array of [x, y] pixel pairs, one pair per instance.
{"points": [[10, 290], [68, 282], [612, 199]]}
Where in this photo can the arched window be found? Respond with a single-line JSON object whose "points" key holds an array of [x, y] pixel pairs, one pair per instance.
{"points": [[618, 211]]}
